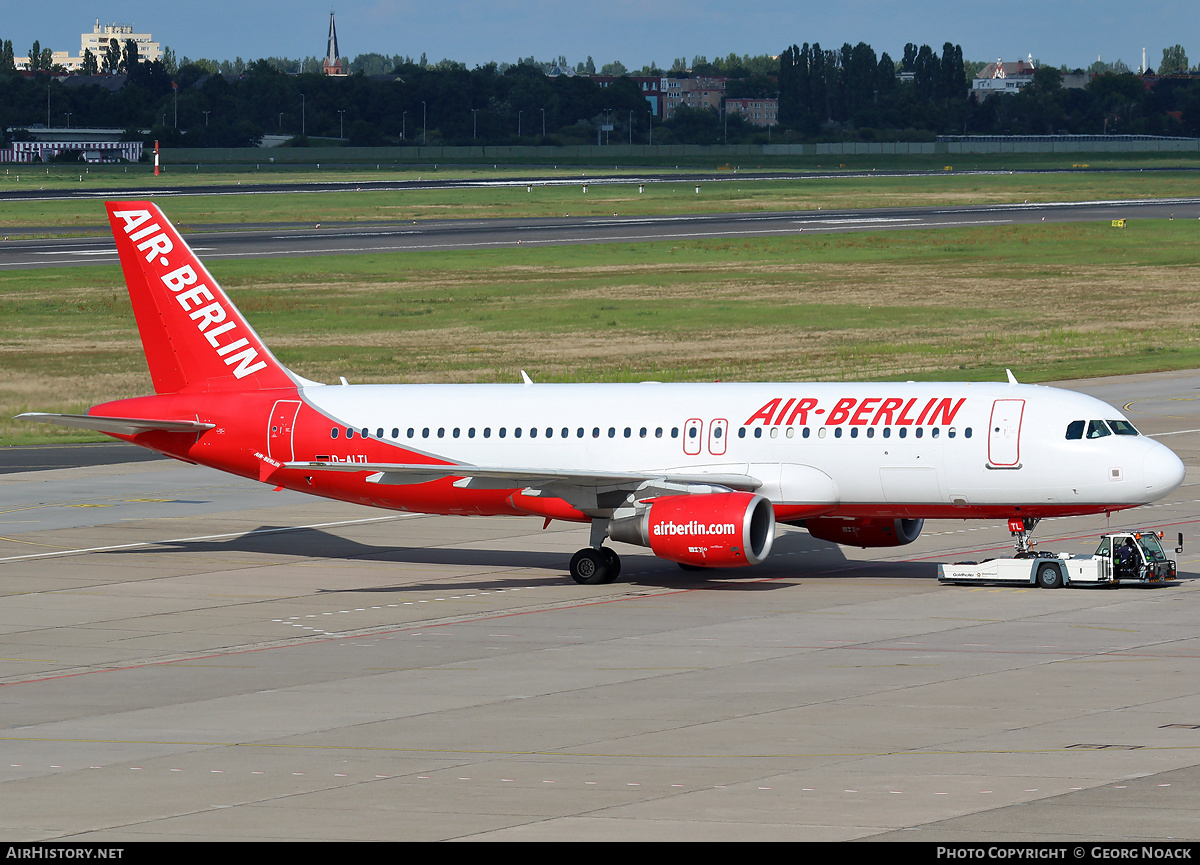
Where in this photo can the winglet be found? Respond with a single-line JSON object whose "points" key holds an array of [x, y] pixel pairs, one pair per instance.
{"points": [[1012, 379], [525, 379]]}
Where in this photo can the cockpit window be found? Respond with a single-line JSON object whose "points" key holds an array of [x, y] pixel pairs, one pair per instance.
{"points": [[1122, 428], [1075, 429], [1097, 429]]}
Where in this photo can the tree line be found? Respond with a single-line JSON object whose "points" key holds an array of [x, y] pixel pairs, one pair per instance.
{"points": [[850, 93]]}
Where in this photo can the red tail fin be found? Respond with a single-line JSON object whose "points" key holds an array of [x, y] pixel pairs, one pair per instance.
{"points": [[195, 338]]}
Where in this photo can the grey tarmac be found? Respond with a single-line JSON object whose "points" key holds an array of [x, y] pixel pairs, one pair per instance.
{"points": [[185, 655]]}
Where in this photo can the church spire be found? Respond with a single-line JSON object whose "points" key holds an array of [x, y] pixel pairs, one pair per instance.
{"points": [[333, 62]]}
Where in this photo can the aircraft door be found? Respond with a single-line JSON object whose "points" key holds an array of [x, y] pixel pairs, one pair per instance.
{"points": [[693, 431], [717, 432], [279, 429], [1004, 433]]}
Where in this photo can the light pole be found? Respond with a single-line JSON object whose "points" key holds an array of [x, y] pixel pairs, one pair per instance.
{"points": [[630, 128], [519, 113], [68, 120], [403, 123], [206, 113], [474, 122], [543, 123], [302, 116], [341, 123], [651, 126], [424, 125]]}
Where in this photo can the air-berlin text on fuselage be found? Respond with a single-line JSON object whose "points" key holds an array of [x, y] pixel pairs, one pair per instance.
{"points": [[198, 301], [871, 411]]}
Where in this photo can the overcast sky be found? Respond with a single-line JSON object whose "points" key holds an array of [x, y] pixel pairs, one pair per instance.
{"points": [[1071, 32]]}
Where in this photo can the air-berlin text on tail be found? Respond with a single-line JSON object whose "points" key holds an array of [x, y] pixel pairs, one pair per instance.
{"points": [[872, 411], [198, 301]]}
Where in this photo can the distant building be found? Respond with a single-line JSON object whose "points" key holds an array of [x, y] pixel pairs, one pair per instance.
{"points": [[697, 92], [92, 145], [332, 64], [97, 42], [756, 112], [1001, 77]]}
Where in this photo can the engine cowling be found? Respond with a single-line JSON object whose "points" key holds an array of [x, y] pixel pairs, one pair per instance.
{"points": [[865, 531], [714, 530]]}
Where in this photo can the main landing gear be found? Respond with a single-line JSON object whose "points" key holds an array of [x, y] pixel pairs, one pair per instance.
{"points": [[597, 564], [592, 567]]}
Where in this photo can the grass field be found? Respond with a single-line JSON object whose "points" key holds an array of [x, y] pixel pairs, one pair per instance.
{"points": [[660, 198], [1049, 301]]}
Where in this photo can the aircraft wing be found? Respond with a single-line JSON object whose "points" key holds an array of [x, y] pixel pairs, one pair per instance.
{"points": [[119, 425], [571, 484]]}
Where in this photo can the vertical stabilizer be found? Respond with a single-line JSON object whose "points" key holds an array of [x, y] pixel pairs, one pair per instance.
{"points": [[194, 337]]}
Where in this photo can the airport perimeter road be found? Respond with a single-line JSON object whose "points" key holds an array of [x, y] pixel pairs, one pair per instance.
{"points": [[188, 656], [268, 242]]}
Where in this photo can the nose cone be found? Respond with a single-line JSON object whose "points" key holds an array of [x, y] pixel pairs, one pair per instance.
{"points": [[1162, 470]]}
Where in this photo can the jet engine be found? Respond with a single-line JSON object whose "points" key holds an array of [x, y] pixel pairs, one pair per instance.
{"points": [[865, 531], [714, 530]]}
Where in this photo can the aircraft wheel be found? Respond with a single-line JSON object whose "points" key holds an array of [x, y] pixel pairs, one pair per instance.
{"points": [[589, 567], [613, 561], [1048, 577]]}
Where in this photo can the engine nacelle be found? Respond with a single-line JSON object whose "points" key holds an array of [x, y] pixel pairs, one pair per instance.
{"points": [[865, 531], [714, 530]]}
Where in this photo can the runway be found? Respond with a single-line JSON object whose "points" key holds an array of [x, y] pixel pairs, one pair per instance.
{"points": [[276, 242], [189, 656]]}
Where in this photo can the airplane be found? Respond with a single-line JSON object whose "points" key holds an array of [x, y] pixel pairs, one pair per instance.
{"points": [[701, 474]]}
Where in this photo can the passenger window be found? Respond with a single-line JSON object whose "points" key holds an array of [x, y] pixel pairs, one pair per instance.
{"points": [[516, 432], [333, 433], [395, 432], [758, 432], [349, 433], [410, 432], [658, 432], [741, 432], [1075, 430], [1097, 429]]}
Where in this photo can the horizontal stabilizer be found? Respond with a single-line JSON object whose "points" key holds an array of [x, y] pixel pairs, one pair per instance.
{"points": [[126, 426], [504, 477]]}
